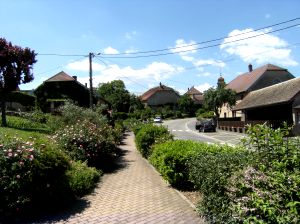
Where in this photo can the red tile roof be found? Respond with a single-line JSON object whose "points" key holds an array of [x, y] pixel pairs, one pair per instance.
{"points": [[244, 81], [61, 76], [154, 90], [193, 91]]}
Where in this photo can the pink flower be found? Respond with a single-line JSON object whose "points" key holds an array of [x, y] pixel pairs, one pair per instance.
{"points": [[18, 176], [10, 154], [31, 157], [21, 163]]}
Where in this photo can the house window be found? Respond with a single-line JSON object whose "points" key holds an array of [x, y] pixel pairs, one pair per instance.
{"points": [[233, 113], [225, 115]]}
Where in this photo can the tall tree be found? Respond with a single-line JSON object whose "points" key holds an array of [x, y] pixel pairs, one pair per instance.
{"points": [[15, 69], [116, 94], [186, 104], [214, 99]]}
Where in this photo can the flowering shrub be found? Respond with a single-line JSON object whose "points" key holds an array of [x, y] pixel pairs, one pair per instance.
{"points": [[33, 174], [16, 162], [267, 191], [87, 141]]}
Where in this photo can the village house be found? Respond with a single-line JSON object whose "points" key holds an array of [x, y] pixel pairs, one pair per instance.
{"points": [[59, 88], [252, 80], [274, 104], [195, 95], [160, 96]]}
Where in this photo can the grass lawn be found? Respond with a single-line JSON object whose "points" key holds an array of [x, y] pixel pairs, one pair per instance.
{"points": [[38, 138]]}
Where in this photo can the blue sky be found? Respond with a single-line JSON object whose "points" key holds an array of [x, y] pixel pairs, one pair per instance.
{"points": [[77, 27]]}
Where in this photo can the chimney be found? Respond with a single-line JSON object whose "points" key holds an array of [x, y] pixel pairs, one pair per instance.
{"points": [[85, 85], [75, 77], [250, 67]]}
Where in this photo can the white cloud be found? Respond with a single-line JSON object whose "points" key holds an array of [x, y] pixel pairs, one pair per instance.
{"points": [[152, 73], [184, 49], [131, 35], [187, 58], [203, 87], [266, 48], [83, 66], [212, 62], [110, 50], [131, 50]]}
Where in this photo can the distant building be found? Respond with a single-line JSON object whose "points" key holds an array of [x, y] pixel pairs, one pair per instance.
{"points": [[160, 96], [275, 104], [195, 95], [59, 88], [252, 80]]}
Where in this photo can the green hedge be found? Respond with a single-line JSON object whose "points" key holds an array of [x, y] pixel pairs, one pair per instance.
{"points": [[26, 124], [170, 159], [210, 171], [148, 135], [82, 179]]}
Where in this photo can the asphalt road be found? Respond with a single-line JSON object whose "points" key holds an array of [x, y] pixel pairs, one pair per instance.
{"points": [[185, 129]]}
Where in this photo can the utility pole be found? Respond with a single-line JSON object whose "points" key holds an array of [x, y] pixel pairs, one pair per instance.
{"points": [[91, 55]]}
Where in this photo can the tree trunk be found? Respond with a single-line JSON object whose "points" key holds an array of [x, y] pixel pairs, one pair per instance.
{"points": [[3, 109]]}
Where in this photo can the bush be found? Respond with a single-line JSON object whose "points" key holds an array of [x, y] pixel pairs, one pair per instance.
{"points": [[210, 171], [150, 134], [71, 114], [36, 116], [87, 141], [203, 113], [50, 185], [170, 160], [268, 190], [82, 179], [25, 124], [38, 177], [132, 124], [16, 163]]}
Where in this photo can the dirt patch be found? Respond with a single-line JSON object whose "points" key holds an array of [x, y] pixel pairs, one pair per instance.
{"points": [[192, 196]]}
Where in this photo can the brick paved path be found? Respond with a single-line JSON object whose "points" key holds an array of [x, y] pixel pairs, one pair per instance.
{"points": [[135, 193]]}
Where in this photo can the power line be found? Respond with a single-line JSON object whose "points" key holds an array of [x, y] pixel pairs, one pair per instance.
{"points": [[64, 55], [203, 42], [205, 47]]}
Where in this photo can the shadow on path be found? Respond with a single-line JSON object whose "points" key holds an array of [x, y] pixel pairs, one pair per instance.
{"points": [[80, 204]]}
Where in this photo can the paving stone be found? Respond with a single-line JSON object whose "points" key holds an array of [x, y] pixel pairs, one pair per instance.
{"points": [[135, 193]]}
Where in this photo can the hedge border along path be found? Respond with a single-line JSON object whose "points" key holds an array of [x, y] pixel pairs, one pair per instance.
{"points": [[135, 193]]}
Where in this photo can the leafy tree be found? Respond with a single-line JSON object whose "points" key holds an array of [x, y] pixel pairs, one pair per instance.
{"points": [[15, 69], [135, 103], [116, 94], [214, 99], [186, 104]]}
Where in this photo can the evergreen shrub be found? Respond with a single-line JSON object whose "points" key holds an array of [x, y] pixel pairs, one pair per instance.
{"points": [[209, 170], [170, 159], [150, 134]]}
